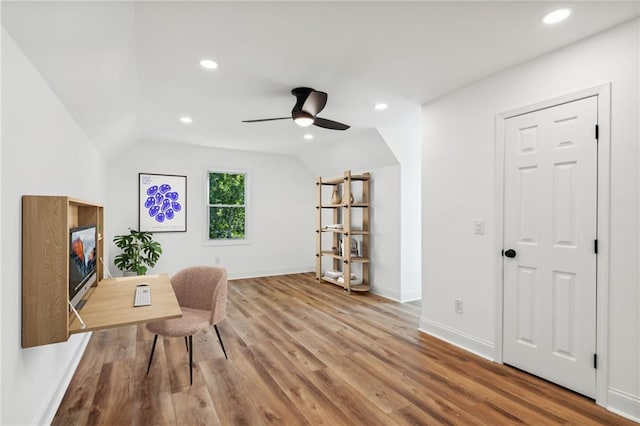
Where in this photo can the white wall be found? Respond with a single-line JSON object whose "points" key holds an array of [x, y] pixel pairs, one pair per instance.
{"points": [[405, 143], [43, 152], [107, 66], [281, 204], [363, 151], [368, 152], [385, 267], [458, 185]]}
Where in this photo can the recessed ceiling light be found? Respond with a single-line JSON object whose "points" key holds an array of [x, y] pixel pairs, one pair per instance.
{"points": [[556, 16], [308, 136], [381, 106], [186, 120], [209, 64]]}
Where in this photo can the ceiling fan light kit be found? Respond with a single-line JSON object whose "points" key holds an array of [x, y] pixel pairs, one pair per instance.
{"points": [[309, 103], [302, 118]]}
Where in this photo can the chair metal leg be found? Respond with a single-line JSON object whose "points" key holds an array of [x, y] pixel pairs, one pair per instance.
{"points": [[186, 344], [190, 360], [153, 348], [220, 339]]}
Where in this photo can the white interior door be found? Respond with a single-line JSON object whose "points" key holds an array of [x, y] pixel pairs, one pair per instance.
{"points": [[550, 221]]}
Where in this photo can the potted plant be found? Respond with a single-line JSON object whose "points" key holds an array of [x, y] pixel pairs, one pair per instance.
{"points": [[138, 250]]}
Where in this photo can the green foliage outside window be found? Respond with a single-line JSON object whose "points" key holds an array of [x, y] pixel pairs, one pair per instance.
{"points": [[227, 207]]}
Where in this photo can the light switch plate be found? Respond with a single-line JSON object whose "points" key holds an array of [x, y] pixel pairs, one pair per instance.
{"points": [[478, 226]]}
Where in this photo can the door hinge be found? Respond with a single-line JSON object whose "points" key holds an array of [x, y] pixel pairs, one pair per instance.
{"points": [[597, 132], [595, 361], [595, 246]]}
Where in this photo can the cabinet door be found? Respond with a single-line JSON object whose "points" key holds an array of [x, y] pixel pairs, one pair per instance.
{"points": [[45, 313]]}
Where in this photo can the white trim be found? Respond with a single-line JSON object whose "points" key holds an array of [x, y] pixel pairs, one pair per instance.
{"points": [[624, 404], [604, 242], [271, 272], [603, 92], [238, 242], [411, 297], [498, 190], [386, 293], [480, 347], [50, 405]]}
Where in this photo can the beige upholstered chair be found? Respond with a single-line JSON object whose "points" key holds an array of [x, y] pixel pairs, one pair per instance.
{"points": [[202, 295]]}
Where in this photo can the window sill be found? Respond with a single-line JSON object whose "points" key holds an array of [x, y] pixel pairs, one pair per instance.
{"points": [[214, 243]]}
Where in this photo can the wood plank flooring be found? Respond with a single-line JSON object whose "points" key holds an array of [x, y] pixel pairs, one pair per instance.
{"points": [[303, 353]]}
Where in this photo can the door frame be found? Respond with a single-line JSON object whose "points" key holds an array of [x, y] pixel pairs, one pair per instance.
{"points": [[603, 92]]}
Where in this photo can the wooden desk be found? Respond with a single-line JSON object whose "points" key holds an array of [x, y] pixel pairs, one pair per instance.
{"points": [[110, 304]]}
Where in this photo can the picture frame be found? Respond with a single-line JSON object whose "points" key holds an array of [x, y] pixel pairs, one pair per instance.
{"points": [[162, 202]]}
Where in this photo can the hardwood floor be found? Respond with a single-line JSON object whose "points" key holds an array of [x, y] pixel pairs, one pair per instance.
{"points": [[303, 353]]}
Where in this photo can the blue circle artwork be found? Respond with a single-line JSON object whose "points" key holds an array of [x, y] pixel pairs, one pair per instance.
{"points": [[162, 203]]}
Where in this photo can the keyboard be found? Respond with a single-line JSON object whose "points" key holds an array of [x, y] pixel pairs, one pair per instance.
{"points": [[143, 295]]}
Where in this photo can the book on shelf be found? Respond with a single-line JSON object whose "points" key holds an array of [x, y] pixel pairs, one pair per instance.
{"points": [[332, 274], [354, 280]]}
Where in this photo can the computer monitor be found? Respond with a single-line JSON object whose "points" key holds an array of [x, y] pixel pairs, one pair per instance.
{"points": [[82, 261]]}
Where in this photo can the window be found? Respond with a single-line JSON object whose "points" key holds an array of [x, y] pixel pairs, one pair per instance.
{"points": [[227, 206]]}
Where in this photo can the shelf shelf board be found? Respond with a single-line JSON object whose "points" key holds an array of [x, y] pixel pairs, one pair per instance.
{"points": [[360, 287], [343, 205], [342, 231], [333, 230], [336, 181], [365, 176], [353, 259], [331, 254], [357, 287]]}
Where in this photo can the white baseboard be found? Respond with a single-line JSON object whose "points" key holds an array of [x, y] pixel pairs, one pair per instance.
{"points": [[271, 272], [480, 347], [50, 406], [411, 297], [623, 404], [383, 292]]}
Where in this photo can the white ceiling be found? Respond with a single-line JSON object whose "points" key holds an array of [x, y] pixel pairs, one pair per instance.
{"points": [[129, 70]]}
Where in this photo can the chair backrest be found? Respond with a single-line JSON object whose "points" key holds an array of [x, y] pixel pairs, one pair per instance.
{"points": [[202, 287]]}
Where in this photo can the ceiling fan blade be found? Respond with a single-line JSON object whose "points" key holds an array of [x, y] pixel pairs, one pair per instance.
{"points": [[266, 119], [315, 102], [329, 124]]}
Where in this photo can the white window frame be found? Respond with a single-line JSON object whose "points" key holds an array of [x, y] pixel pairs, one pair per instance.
{"points": [[247, 211]]}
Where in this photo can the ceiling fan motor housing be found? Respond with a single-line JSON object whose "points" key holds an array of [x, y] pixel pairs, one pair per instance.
{"points": [[309, 101]]}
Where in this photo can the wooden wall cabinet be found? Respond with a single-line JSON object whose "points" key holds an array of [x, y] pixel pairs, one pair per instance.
{"points": [[46, 221], [347, 221]]}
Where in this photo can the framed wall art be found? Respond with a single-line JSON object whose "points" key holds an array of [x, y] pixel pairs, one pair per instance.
{"points": [[162, 203]]}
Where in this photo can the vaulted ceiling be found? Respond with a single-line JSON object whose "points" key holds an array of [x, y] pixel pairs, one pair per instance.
{"points": [[128, 71]]}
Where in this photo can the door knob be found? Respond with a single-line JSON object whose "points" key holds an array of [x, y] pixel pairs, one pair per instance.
{"points": [[510, 253]]}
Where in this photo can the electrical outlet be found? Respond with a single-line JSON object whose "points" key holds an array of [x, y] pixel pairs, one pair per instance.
{"points": [[217, 260], [457, 306]]}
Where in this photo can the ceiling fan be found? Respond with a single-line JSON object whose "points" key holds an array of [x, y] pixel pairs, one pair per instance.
{"points": [[309, 103]]}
